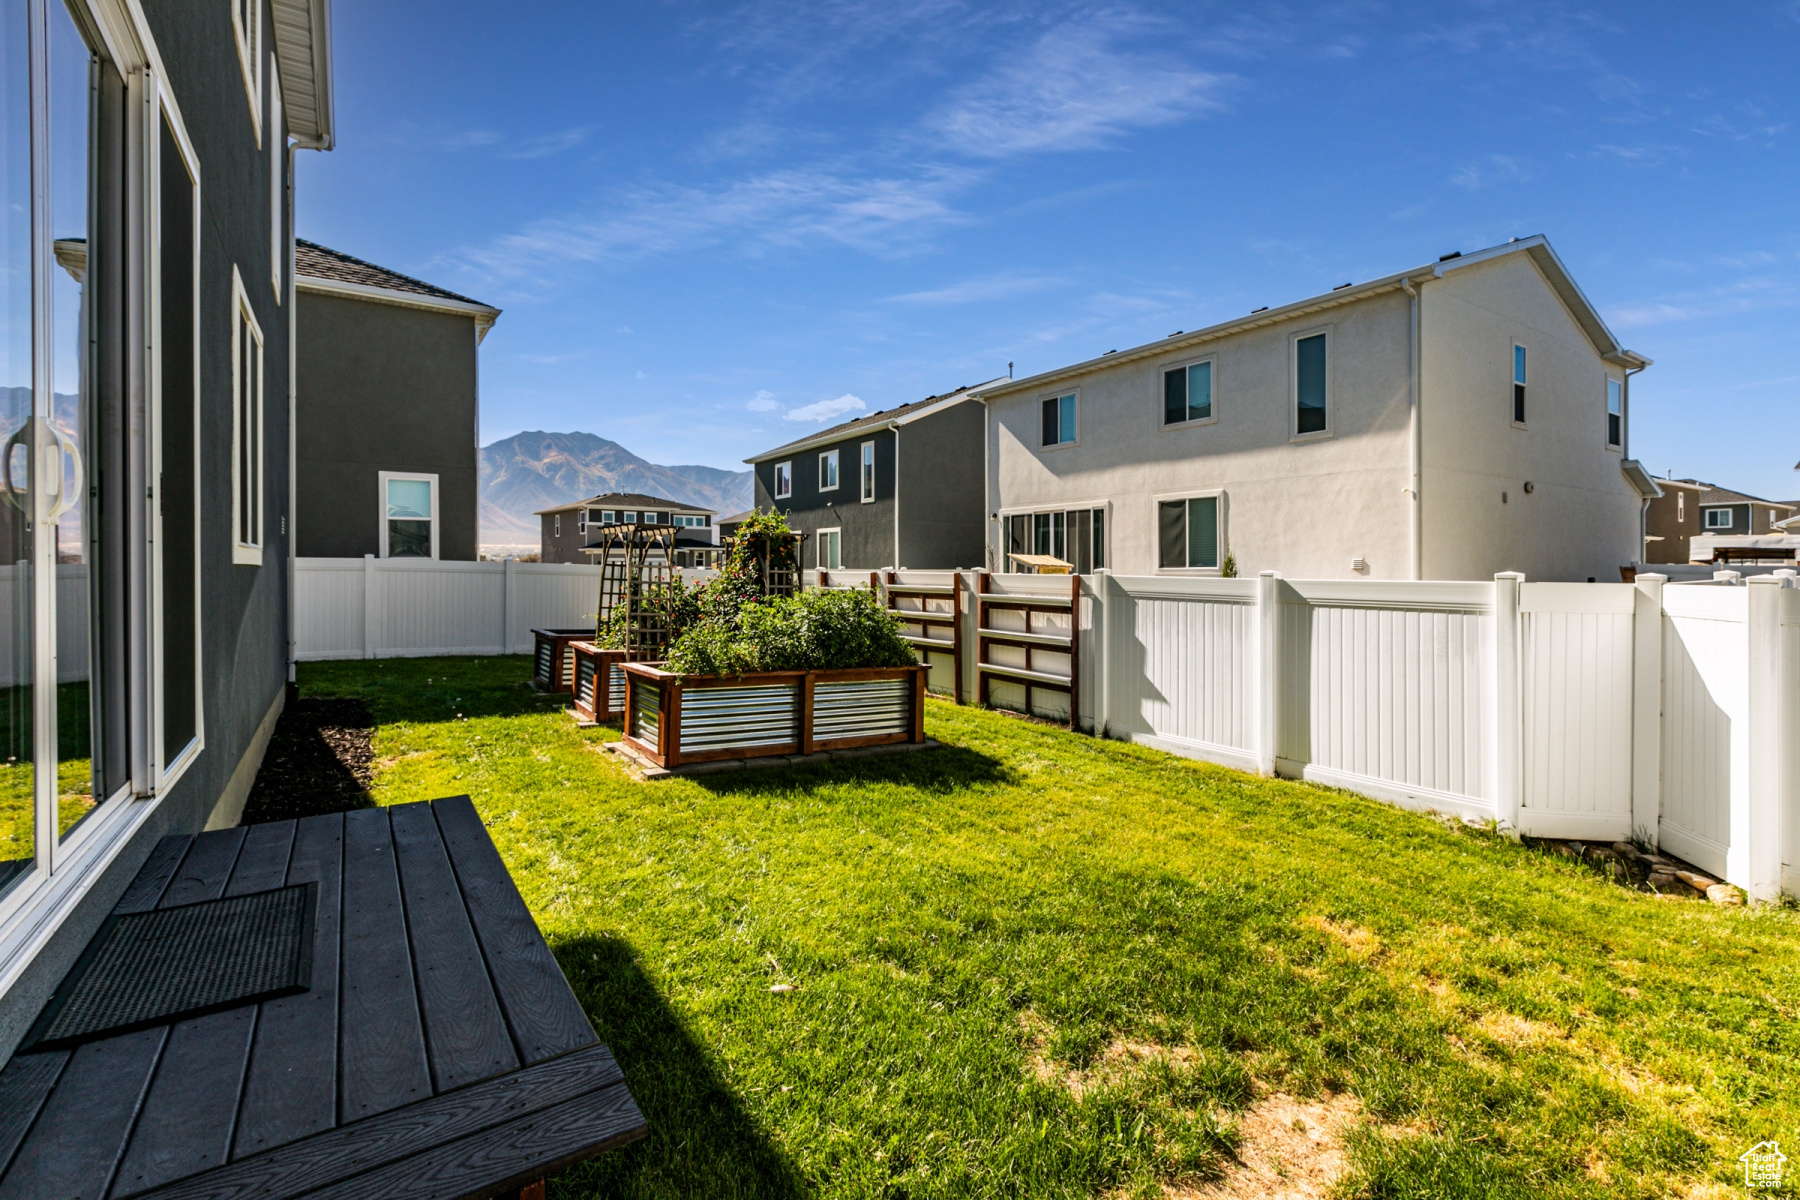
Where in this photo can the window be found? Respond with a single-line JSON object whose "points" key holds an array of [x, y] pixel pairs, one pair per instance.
{"points": [[1615, 412], [409, 515], [246, 23], [1718, 518], [690, 522], [784, 480], [1311, 386], [1188, 393], [556, 525], [246, 428], [1518, 411], [608, 516], [653, 518], [628, 518], [868, 472], [1077, 536], [831, 546], [277, 151], [1680, 506], [1188, 533], [828, 471], [1059, 420]]}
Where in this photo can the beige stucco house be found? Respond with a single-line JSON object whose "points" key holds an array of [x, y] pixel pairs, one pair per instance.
{"points": [[1448, 422]]}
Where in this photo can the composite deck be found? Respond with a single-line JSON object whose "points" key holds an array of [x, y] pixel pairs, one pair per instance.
{"points": [[438, 1053]]}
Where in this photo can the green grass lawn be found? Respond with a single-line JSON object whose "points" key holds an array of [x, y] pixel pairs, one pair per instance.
{"points": [[1037, 964]]}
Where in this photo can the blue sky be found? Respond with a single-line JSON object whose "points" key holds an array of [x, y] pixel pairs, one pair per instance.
{"points": [[713, 228]]}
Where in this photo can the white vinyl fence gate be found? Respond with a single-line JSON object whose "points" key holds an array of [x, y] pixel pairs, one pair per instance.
{"points": [[1665, 712]]}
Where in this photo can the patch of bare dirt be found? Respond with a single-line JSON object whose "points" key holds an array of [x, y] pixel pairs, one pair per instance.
{"points": [[1288, 1149], [320, 759], [1121, 1059]]}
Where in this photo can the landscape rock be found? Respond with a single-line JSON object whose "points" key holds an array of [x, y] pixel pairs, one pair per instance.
{"points": [[1626, 850], [1724, 893], [1695, 880]]}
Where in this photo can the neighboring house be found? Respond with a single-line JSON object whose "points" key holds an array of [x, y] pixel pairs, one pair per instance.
{"points": [[1672, 519], [569, 529], [728, 526], [1459, 419], [1727, 513], [147, 265], [386, 411], [899, 488]]}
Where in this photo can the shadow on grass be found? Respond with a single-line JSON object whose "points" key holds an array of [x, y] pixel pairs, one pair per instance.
{"points": [[701, 1141], [944, 769], [430, 690]]}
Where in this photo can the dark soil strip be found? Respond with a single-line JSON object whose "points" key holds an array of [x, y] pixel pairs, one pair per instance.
{"points": [[320, 760]]}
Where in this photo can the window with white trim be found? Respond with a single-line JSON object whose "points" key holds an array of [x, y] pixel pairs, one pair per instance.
{"points": [[556, 525], [784, 480], [1077, 536], [409, 520], [1058, 413], [1615, 412], [628, 518], [690, 521], [1188, 393], [1312, 384], [246, 24], [1518, 385], [828, 471], [608, 516], [1190, 532], [1718, 518], [831, 549], [868, 472], [246, 428]]}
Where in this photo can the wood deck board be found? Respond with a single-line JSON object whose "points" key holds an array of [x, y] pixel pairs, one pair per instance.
{"points": [[205, 869], [541, 1009], [262, 863], [465, 1036], [142, 893], [291, 1088], [192, 1104], [381, 1056], [24, 1083], [79, 1134], [353, 1149]]}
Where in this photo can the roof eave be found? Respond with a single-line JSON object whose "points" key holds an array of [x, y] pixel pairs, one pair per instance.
{"points": [[303, 57], [484, 315], [839, 433]]}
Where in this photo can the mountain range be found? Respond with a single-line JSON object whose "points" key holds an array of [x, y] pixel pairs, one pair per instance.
{"points": [[536, 470]]}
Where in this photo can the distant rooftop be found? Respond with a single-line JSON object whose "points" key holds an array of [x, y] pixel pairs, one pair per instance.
{"points": [[848, 428], [629, 501], [321, 262]]}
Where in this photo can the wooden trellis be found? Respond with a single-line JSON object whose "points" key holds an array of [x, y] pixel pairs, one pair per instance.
{"points": [[629, 580]]}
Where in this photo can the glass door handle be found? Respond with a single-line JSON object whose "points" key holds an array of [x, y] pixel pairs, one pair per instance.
{"points": [[68, 492]]}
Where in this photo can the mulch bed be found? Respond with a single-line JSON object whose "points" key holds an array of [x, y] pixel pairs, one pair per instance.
{"points": [[320, 760]]}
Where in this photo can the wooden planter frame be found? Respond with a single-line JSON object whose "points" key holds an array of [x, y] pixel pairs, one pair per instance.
{"points": [[666, 750], [590, 682], [554, 673]]}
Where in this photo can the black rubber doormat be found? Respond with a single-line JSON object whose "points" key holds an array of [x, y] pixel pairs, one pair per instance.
{"points": [[149, 968]]}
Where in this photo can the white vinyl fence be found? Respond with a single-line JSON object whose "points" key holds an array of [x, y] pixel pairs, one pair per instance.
{"points": [[1665, 712], [402, 608]]}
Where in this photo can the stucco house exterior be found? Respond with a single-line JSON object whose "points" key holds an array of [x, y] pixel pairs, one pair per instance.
{"points": [[147, 172], [1691, 508], [897, 488], [1451, 421], [568, 530], [387, 411]]}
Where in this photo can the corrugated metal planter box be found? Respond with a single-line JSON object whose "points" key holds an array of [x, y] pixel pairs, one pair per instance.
{"points": [[599, 682], [552, 663], [674, 719]]}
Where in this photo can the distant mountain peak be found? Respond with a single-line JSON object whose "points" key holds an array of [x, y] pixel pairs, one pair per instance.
{"points": [[538, 469]]}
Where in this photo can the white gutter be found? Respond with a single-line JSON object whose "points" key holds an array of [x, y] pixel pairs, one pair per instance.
{"points": [[484, 314], [1414, 448]]}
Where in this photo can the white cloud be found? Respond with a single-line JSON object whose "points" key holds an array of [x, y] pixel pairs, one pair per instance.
{"points": [[826, 410], [970, 291], [1492, 170], [1072, 90], [762, 402], [544, 145]]}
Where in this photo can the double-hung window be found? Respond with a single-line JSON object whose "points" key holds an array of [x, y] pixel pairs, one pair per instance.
{"points": [[1615, 413], [246, 23], [409, 527], [1059, 420], [868, 472], [784, 480], [1518, 386], [1189, 533], [1188, 393], [1718, 518], [1312, 385], [831, 549], [828, 471], [246, 428]]}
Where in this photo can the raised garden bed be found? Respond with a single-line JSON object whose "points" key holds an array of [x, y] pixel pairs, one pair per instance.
{"points": [[599, 682], [673, 719], [552, 664]]}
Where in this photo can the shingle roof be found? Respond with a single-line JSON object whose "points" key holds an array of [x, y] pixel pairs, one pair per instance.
{"points": [[1714, 494], [624, 500], [322, 262], [850, 428]]}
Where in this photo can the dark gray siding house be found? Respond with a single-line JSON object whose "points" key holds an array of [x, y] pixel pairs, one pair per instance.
{"points": [[386, 411], [899, 488], [167, 554], [569, 528], [1724, 511]]}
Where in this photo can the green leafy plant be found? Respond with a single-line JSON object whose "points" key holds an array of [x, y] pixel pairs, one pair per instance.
{"points": [[1229, 569], [814, 630]]}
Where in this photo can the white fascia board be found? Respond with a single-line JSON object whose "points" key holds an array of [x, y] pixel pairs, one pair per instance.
{"points": [[483, 314], [303, 58], [830, 436], [1566, 289], [1646, 484]]}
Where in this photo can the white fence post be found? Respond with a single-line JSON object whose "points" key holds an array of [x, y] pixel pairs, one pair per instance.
{"points": [[1507, 736], [368, 621], [1268, 655], [1646, 710], [1766, 744], [506, 610], [1102, 662]]}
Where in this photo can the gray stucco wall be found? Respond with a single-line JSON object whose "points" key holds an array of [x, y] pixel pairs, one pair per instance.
{"points": [[868, 529], [942, 522], [243, 609], [382, 388]]}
